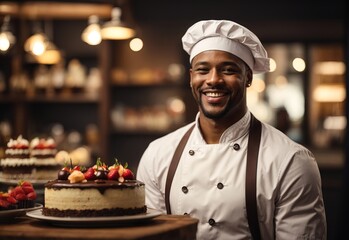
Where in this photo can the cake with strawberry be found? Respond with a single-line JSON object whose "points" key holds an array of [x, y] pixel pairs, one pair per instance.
{"points": [[97, 191], [42, 153], [17, 163]]}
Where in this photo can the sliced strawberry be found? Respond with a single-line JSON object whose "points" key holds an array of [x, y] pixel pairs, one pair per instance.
{"points": [[113, 174], [77, 168], [31, 196], [4, 203], [90, 174], [20, 197], [17, 190], [27, 189], [25, 183], [11, 200], [128, 174]]}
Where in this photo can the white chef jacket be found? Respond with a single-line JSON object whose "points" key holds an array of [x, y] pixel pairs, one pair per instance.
{"points": [[209, 184]]}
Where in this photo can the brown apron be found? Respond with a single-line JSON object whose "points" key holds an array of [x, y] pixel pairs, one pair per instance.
{"points": [[251, 173]]}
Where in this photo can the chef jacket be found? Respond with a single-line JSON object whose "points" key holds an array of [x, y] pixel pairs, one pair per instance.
{"points": [[209, 183]]}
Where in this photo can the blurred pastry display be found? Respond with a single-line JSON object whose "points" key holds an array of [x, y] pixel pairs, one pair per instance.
{"points": [[58, 74], [17, 163], [76, 75], [149, 118], [42, 152], [93, 81]]}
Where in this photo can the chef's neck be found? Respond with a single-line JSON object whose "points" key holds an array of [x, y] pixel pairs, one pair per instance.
{"points": [[212, 129]]}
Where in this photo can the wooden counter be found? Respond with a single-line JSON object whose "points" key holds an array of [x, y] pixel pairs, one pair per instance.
{"points": [[164, 227]]}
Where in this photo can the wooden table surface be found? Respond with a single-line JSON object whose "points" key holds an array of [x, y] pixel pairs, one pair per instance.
{"points": [[163, 227]]}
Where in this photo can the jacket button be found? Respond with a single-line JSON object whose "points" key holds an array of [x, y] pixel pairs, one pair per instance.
{"points": [[191, 152], [236, 147], [185, 189], [211, 222], [220, 185]]}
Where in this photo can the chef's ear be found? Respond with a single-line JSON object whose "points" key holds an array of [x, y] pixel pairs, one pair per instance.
{"points": [[249, 77], [190, 73]]}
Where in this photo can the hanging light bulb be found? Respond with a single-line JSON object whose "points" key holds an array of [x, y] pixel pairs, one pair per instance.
{"points": [[50, 56], [115, 29], [36, 44], [6, 37], [92, 33]]}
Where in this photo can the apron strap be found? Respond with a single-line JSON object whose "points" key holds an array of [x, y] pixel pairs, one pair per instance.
{"points": [[173, 167], [251, 173], [251, 177]]}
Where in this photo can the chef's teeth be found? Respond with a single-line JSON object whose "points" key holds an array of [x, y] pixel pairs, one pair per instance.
{"points": [[213, 94]]}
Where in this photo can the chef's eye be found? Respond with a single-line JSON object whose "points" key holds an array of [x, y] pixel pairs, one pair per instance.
{"points": [[229, 70], [202, 70]]}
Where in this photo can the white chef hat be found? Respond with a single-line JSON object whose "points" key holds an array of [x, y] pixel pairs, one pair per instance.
{"points": [[226, 36]]}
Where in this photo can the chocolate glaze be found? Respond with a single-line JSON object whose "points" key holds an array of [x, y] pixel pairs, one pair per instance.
{"points": [[101, 185]]}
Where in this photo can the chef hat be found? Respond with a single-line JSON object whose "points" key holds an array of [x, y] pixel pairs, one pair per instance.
{"points": [[226, 36]]}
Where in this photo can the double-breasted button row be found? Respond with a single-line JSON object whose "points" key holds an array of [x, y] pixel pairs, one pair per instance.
{"points": [[211, 221], [236, 147], [185, 189]]}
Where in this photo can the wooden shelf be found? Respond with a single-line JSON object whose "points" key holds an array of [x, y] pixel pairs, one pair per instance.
{"points": [[73, 98], [55, 10]]}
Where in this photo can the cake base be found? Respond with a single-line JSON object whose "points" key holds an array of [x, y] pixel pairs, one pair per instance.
{"points": [[93, 213]]}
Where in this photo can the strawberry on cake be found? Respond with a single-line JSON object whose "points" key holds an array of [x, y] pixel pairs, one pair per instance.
{"points": [[17, 163], [42, 152], [98, 191]]}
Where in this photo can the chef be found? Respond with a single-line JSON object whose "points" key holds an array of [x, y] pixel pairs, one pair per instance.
{"points": [[204, 168]]}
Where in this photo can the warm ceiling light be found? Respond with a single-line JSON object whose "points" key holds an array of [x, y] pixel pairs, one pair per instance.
{"points": [[6, 37], [329, 93], [136, 44], [36, 44], [92, 33], [330, 68], [51, 55], [115, 29], [298, 64]]}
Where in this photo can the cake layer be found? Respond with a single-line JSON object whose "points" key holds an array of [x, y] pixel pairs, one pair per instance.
{"points": [[43, 152], [45, 162], [17, 153], [16, 162]]}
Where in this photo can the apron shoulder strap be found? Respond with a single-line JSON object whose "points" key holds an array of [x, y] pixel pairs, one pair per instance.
{"points": [[251, 177], [251, 174], [173, 167]]}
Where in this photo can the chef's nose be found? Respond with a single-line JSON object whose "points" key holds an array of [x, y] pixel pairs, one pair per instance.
{"points": [[214, 77]]}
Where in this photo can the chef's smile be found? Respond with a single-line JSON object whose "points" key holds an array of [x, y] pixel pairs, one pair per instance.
{"points": [[214, 97]]}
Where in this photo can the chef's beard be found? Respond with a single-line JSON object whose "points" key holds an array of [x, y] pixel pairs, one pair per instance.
{"points": [[215, 115]]}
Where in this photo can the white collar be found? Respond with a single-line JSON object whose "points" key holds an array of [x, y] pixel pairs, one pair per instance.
{"points": [[234, 132]]}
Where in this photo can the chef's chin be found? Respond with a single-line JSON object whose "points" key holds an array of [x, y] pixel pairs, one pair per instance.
{"points": [[214, 114]]}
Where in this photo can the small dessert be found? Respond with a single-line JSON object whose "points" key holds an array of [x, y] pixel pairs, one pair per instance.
{"points": [[97, 191], [17, 163], [7, 202], [21, 196], [42, 153]]}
